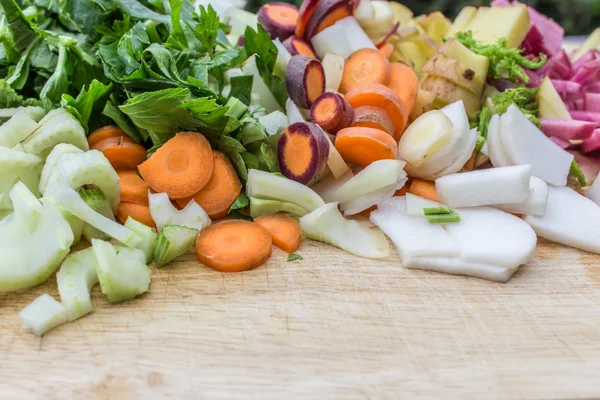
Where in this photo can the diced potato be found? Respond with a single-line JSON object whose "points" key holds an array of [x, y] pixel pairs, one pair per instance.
{"points": [[413, 54], [454, 71], [493, 23], [551, 105], [426, 101], [450, 93], [402, 14], [427, 45], [437, 26], [457, 51], [462, 20]]}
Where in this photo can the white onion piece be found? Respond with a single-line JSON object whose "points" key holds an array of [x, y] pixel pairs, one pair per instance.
{"points": [[570, 219], [344, 38], [485, 187], [526, 144], [535, 205], [496, 150], [415, 205], [493, 237], [365, 202], [470, 141], [413, 236]]}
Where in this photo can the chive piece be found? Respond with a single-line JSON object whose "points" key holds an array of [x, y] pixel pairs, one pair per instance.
{"points": [[295, 257], [441, 210], [480, 142], [443, 218]]}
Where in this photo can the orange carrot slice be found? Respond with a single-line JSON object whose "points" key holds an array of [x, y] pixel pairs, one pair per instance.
{"points": [[405, 83], [326, 14], [373, 117], [105, 133], [221, 191], [133, 188], [181, 167], [122, 152], [425, 189], [234, 246], [377, 95], [365, 66], [298, 47], [387, 49], [363, 146], [306, 11], [285, 231], [139, 212]]}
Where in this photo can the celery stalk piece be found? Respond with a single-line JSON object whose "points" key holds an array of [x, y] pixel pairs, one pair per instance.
{"points": [[76, 225], [97, 202], [34, 112], [326, 224], [43, 314], [58, 154], [148, 235], [163, 213], [122, 278], [130, 254], [89, 168], [260, 207], [264, 185], [16, 129], [70, 200], [17, 166], [76, 278], [55, 129], [33, 241], [173, 242]]}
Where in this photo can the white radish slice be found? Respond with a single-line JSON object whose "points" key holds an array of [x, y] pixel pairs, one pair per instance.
{"points": [[327, 224], [333, 65], [414, 237], [496, 150], [526, 144], [493, 237], [594, 191], [470, 141], [535, 205], [374, 177], [485, 187], [570, 219], [344, 38], [415, 205], [365, 202], [458, 266]]}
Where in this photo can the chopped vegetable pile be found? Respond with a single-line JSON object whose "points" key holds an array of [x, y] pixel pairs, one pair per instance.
{"points": [[132, 132]]}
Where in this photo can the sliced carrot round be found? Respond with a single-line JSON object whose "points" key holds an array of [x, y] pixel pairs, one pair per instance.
{"points": [[104, 143], [122, 154], [181, 167], [234, 246], [373, 117], [133, 188], [221, 191], [405, 83], [363, 146], [105, 133], [377, 95], [285, 231], [365, 66], [139, 212]]}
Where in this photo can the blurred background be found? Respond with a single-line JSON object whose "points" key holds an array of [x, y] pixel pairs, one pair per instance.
{"points": [[578, 17]]}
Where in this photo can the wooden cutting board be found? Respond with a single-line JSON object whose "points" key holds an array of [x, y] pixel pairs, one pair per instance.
{"points": [[330, 326]]}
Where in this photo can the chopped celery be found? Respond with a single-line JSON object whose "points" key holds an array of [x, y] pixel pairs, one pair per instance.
{"points": [[70, 200], [34, 112], [43, 314], [12, 158], [173, 242], [163, 213], [264, 185], [97, 202], [56, 128], [122, 278], [89, 168], [283, 58], [76, 277], [17, 129], [260, 207], [33, 241], [17, 166], [59, 152], [148, 235], [76, 225], [130, 254]]}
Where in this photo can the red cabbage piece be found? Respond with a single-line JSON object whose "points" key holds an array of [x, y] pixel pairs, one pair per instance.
{"points": [[558, 67], [593, 88], [591, 55], [589, 73], [592, 143], [580, 105], [586, 116], [563, 86], [568, 129], [592, 102]]}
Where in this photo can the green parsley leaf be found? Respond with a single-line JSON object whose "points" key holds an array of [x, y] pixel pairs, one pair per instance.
{"points": [[242, 201], [294, 257]]}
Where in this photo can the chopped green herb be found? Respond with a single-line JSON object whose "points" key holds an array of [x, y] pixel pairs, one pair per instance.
{"points": [[443, 218], [295, 257], [505, 63], [237, 214], [440, 210], [241, 202], [577, 173], [480, 143]]}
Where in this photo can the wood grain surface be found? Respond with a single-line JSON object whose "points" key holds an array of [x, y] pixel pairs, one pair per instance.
{"points": [[330, 326]]}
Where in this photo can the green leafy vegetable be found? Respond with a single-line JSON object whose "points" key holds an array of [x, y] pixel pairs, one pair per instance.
{"points": [[294, 257], [578, 174], [505, 63], [241, 202]]}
